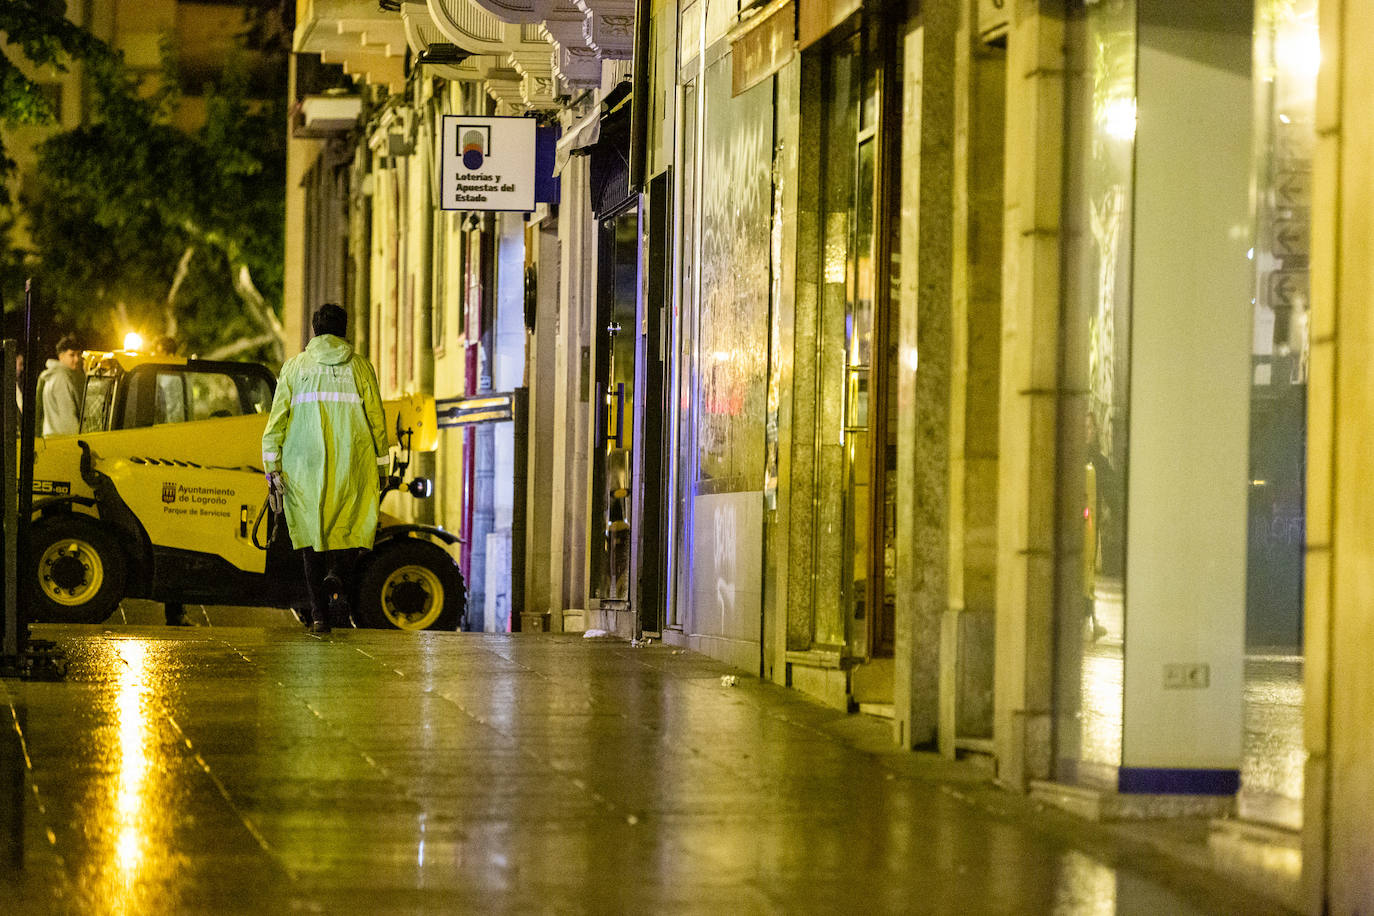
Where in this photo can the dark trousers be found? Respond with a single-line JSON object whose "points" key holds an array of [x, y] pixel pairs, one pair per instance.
{"points": [[319, 565]]}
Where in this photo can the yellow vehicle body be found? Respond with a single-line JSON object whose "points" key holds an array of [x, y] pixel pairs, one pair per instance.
{"points": [[190, 488], [181, 489]]}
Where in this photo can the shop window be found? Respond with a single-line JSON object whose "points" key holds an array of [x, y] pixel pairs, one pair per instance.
{"points": [[1095, 328], [856, 180]]}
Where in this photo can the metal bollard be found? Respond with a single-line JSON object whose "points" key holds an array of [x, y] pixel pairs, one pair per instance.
{"points": [[9, 502], [20, 656]]}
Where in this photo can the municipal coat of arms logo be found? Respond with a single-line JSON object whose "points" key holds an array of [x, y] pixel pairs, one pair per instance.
{"points": [[169, 492]]}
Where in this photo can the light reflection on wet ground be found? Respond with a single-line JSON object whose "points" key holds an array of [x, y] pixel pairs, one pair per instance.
{"points": [[263, 769], [1272, 776]]}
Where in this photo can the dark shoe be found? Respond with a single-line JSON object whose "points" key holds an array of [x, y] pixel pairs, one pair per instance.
{"points": [[320, 626], [339, 612], [337, 601]]}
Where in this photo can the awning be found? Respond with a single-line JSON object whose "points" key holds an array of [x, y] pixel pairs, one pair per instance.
{"points": [[581, 135]]}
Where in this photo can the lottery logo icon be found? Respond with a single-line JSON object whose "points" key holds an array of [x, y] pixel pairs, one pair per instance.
{"points": [[474, 145]]}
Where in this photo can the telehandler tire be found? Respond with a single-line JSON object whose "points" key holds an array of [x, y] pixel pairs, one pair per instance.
{"points": [[410, 584], [79, 570]]}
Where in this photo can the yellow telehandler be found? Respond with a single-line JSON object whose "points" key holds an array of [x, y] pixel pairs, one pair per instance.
{"points": [[161, 495]]}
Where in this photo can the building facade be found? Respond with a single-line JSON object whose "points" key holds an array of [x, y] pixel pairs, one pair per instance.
{"points": [[988, 367]]}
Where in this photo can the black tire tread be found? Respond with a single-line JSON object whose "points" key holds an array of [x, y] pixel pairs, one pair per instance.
{"points": [[74, 525], [408, 551]]}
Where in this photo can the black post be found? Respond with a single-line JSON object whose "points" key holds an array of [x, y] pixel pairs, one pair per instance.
{"points": [[26, 436], [33, 659], [9, 506], [520, 412]]}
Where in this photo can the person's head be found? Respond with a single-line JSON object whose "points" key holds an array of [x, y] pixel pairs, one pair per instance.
{"points": [[69, 352], [329, 319], [165, 346]]}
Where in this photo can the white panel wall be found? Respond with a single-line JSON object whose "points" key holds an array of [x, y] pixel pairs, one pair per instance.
{"points": [[1189, 404]]}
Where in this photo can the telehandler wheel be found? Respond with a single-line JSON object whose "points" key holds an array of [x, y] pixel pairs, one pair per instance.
{"points": [[411, 584], [78, 570]]}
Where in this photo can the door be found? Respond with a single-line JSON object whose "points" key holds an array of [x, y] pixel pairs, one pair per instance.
{"points": [[858, 179], [653, 568], [610, 532]]}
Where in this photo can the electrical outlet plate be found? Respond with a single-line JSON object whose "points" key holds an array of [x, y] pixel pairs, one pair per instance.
{"points": [[1187, 675]]}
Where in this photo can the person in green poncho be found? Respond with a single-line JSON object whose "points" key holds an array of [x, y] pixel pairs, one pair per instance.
{"points": [[326, 455]]}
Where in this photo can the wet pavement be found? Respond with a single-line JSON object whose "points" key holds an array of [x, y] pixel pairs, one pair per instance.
{"points": [[261, 769]]}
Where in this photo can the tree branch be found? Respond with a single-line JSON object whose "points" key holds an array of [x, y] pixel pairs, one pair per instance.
{"points": [[243, 346], [248, 292], [169, 314], [244, 287]]}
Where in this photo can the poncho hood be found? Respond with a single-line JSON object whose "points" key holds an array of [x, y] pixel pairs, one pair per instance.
{"points": [[329, 349]]}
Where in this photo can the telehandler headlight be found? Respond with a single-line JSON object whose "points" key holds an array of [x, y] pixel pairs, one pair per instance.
{"points": [[421, 488]]}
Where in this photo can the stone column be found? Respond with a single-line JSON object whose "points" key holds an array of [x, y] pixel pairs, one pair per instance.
{"points": [[777, 600], [923, 382], [542, 361], [1029, 394], [1339, 627], [966, 637]]}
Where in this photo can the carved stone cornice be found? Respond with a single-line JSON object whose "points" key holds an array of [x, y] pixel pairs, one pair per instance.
{"points": [[540, 93], [368, 43], [432, 48], [609, 27], [518, 11], [578, 66], [504, 87]]}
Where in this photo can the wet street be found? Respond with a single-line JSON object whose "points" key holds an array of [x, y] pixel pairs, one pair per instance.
{"points": [[258, 768]]}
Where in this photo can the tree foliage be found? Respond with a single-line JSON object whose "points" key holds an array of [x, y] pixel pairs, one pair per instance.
{"points": [[140, 225], [39, 31], [37, 35]]}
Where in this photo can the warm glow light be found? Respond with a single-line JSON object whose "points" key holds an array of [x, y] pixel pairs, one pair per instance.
{"points": [[132, 341], [1118, 118], [1298, 49]]}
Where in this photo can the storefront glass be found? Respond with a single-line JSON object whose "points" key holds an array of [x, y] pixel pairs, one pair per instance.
{"points": [[1095, 347], [684, 326], [720, 389], [618, 260], [853, 589], [1287, 55]]}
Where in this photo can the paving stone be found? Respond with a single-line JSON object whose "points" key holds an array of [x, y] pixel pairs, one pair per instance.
{"points": [[260, 769]]}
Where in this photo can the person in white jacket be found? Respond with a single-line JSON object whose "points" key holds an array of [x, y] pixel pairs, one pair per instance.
{"points": [[63, 386]]}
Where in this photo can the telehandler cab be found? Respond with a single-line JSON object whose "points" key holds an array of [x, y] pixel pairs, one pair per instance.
{"points": [[161, 495]]}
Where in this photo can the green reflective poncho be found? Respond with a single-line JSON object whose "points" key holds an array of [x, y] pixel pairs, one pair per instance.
{"points": [[327, 436]]}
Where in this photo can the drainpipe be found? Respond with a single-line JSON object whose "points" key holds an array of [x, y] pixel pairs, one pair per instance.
{"points": [[639, 98], [424, 301]]}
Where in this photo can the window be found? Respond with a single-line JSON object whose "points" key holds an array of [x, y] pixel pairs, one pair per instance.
{"points": [[95, 409], [155, 395]]}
